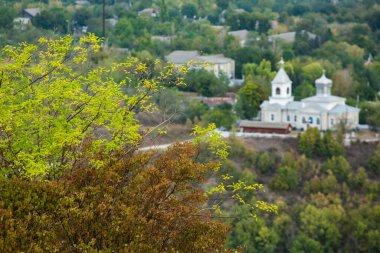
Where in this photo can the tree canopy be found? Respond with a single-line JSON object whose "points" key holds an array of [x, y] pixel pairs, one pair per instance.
{"points": [[56, 104]]}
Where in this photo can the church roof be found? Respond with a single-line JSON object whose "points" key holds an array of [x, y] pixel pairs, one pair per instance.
{"points": [[294, 105], [324, 99], [343, 109], [313, 109], [266, 104], [281, 76]]}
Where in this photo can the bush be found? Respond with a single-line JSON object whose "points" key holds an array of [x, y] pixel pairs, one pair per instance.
{"points": [[265, 162]]}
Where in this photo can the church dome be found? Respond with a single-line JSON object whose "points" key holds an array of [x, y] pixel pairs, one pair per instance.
{"points": [[323, 79], [323, 85]]}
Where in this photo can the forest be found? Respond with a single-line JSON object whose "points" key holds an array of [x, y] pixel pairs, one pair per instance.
{"points": [[85, 84]]}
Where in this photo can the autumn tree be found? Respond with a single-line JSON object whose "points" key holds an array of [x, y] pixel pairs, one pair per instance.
{"points": [[71, 176], [146, 203]]}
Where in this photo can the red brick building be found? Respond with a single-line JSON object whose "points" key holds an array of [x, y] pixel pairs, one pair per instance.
{"points": [[249, 126]]}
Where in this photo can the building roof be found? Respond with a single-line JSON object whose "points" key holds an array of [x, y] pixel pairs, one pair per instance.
{"points": [[33, 11], [218, 58], [213, 101], [343, 108], [148, 11], [324, 99], [183, 57], [260, 124], [289, 37], [268, 105], [240, 34], [81, 2], [239, 10], [164, 38]]}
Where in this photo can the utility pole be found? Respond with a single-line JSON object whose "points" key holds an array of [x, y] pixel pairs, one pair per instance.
{"points": [[104, 18]]}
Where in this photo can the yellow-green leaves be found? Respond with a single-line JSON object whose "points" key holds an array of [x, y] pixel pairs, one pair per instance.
{"points": [[212, 139], [56, 106]]}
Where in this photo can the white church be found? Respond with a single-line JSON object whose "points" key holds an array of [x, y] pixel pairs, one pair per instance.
{"points": [[323, 110]]}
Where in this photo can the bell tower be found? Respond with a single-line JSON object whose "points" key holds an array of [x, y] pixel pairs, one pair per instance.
{"points": [[281, 87]]}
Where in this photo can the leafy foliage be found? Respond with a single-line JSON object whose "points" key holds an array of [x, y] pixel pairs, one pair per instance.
{"points": [[145, 203], [249, 98], [55, 105], [312, 143]]}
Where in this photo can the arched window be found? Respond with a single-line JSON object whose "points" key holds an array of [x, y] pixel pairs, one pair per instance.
{"points": [[287, 90], [318, 121], [278, 91], [272, 117]]}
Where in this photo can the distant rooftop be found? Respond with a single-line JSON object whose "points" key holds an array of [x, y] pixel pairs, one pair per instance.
{"points": [[240, 34], [183, 57], [260, 124], [33, 11], [289, 37]]}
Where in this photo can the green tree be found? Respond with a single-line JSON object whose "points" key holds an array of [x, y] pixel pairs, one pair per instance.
{"points": [[55, 105], [308, 140], [81, 16], [189, 10], [339, 166], [304, 90], [205, 83], [322, 226], [374, 161], [311, 72], [124, 33], [54, 19], [221, 117], [328, 146], [7, 15], [194, 110], [249, 99], [265, 162], [286, 179], [305, 244], [373, 75]]}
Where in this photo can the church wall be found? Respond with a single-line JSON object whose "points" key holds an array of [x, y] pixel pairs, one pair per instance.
{"points": [[267, 116]]}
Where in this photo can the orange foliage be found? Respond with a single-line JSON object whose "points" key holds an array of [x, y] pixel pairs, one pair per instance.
{"points": [[144, 203]]}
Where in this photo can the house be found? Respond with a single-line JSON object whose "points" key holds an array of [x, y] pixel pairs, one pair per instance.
{"points": [[149, 12], [112, 21], [21, 23], [250, 126], [31, 13], [215, 63], [239, 11], [289, 37], [369, 60], [241, 35], [166, 39], [81, 3], [323, 110]]}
